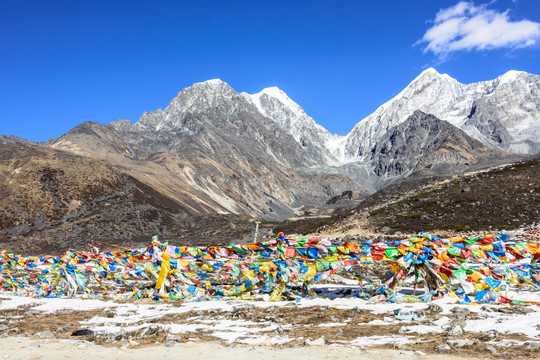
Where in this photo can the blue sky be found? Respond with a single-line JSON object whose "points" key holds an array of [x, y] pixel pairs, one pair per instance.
{"points": [[66, 62]]}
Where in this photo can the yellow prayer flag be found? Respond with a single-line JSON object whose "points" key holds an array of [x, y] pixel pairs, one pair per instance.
{"points": [[165, 267]]}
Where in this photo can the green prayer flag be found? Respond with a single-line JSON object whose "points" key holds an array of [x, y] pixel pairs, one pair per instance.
{"points": [[459, 274], [391, 252]]}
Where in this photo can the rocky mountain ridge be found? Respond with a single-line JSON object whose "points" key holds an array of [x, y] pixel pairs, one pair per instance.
{"points": [[503, 113], [212, 151], [214, 144], [220, 158], [424, 142]]}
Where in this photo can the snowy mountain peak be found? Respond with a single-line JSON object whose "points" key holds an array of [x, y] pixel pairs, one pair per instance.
{"points": [[429, 71], [512, 75], [279, 95], [276, 92], [211, 82], [275, 104], [194, 99], [431, 74], [273, 91], [209, 87], [427, 75], [214, 81], [502, 113], [202, 94]]}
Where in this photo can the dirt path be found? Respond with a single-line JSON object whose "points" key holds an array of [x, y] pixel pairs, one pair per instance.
{"points": [[31, 348]]}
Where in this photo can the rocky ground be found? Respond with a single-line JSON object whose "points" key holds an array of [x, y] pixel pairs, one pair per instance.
{"points": [[416, 330]]}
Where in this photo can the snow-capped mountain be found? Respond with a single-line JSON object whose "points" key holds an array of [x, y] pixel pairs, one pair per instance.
{"points": [[275, 104], [503, 113], [197, 98], [508, 117], [214, 150], [318, 143]]}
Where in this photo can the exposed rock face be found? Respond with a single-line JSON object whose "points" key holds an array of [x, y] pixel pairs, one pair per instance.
{"points": [[509, 118], [52, 200], [10, 139], [484, 122], [425, 142]]}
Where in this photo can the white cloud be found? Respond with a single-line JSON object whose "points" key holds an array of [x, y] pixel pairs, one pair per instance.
{"points": [[466, 26]]}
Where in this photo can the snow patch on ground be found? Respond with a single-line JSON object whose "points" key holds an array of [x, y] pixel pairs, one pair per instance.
{"points": [[526, 324], [395, 340], [10, 302]]}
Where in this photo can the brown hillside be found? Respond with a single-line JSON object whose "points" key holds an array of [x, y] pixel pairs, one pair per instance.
{"points": [[502, 197], [52, 200]]}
